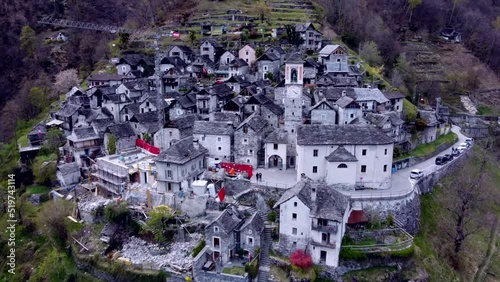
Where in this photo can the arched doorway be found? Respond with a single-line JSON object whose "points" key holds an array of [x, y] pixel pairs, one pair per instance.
{"points": [[275, 161]]}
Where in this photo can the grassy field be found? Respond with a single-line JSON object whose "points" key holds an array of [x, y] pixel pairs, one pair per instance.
{"points": [[235, 270], [429, 148]]}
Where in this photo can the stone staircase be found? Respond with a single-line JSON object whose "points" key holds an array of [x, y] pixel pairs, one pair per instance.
{"points": [[262, 214], [265, 261]]}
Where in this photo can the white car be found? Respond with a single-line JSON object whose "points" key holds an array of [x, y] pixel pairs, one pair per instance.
{"points": [[416, 174], [462, 147]]}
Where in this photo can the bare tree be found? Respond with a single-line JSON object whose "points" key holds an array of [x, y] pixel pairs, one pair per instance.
{"points": [[65, 80], [485, 264]]}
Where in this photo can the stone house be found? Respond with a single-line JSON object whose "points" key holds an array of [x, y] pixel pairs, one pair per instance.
{"points": [[323, 113], [279, 52], [311, 36], [175, 79], [226, 58], [391, 124], [124, 134], [248, 147], [352, 155], [175, 130], [211, 48], [347, 110], [217, 137], [335, 60], [311, 70], [105, 79], [167, 63], [235, 105], [237, 82], [396, 101], [114, 103], [182, 105], [211, 99], [136, 63], [180, 165], [128, 111], [68, 174], [247, 53], [145, 124], [96, 94], [313, 217], [265, 107], [133, 89], [183, 52], [68, 114], [275, 145], [429, 133], [37, 135], [267, 64], [371, 100], [83, 145], [201, 67], [230, 232], [331, 80]]}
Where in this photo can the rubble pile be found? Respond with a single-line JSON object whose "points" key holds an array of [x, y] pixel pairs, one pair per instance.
{"points": [[178, 255]]}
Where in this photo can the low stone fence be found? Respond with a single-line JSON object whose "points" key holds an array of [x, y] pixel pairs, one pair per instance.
{"points": [[380, 236]]}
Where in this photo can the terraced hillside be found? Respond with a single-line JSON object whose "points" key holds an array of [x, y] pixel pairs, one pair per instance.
{"points": [[234, 14]]}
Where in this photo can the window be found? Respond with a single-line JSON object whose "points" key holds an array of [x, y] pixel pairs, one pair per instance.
{"points": [[352, 115], [147, 104], [294, 244], [200, 164], [202, 138], [250, 241], [275, 146], [219, 139], [293, 113], [363, 168], [216, 242], [250, 152], [216, 229], [293, 130], [323, 117], [294, 204], [363, 152], [227, 60], [246, 53], [206, 49], [169, 174], [170, 133], [294, 216], [315, 153], [245, 141], [342, 166], [245, 129], [385, 152], [294, 231], [219, 148], [265, 68], [248, 161], [385, 168], [315, 169], [253, 108]]}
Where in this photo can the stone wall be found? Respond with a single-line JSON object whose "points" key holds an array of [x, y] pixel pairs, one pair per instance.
{"points": [[427, 183]]}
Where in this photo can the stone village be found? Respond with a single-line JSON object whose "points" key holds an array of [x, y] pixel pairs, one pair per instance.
{"points": [[265, 149]]}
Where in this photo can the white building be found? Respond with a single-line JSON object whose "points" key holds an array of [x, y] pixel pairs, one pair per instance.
{"points": [[313, 218], [217, 137], [345, 154], [180, 165]]}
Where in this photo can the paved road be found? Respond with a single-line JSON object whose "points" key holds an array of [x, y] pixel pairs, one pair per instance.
{"points": [[401, 182]]}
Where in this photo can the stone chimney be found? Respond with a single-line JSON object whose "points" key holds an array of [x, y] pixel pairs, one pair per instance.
{"points": [[344, 93], [196, 144], [313, 194], [230, 124]]}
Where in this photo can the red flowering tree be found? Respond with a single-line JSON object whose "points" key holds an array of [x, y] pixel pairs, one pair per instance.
{"points": [[301, 259]]}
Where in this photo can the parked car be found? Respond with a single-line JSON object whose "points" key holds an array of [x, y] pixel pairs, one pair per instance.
{"points": [[448, 157], [416, 174], [455, 152], [441, 160], [469, 140], [462, 147]]}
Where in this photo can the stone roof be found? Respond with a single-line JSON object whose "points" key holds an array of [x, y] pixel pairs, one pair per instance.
{"points": [[185, 102], [369, 94], [429, 117], [227, 116], [106, 77], [258, 99], [346, 101], [278, 49], [182, 122], [255, 222], [213, 42], [268, 57], [213, 128], [341, 155], [329, 204], [334, 94], [330, 79], [273, 107], [121, 130], [117, 98], [328, 49], [255, 121], [100, 125], [295, 58], [68, 110], [134, 59], [321, 134], [227, 220], [394, 118], [324, 101], [181, 152], [311, 63], [303, 27], [68, 168], [234, 187], [149, 120], [278, 136], [393, 95], [238, 62], [82, 134], [183, 48]]}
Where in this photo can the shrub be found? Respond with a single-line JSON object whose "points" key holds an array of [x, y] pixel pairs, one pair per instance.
{"points": [[301, 259], [348, 253], [198, 248], [390, 220], [117, 212], [403, 253], [272, 216]]}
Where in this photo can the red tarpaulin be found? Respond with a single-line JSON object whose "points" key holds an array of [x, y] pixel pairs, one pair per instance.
{"points": [[221, 194], [143, 144], [238, 168]]}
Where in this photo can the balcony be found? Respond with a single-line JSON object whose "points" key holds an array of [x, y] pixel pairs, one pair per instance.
{"points": [[324, 243], [325, 228], [204, 111]]}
